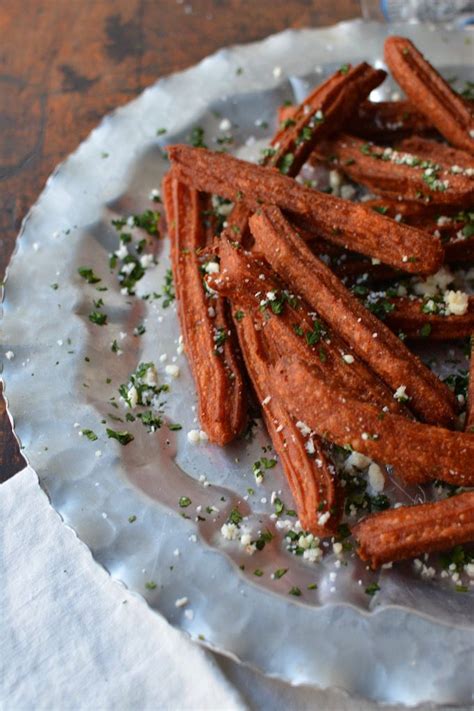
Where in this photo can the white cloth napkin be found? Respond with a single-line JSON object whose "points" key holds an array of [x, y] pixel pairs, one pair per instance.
{"points": [[72, 638]]}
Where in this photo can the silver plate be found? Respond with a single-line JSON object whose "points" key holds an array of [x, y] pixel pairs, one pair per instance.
{"points": [[409, 643]]}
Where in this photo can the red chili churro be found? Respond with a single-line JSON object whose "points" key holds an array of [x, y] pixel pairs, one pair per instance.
{"points": [[412, 530], [430, 93], [370, 338], [339, 221], [207, 338], [312, 479], [340, 418], [399, 175]]}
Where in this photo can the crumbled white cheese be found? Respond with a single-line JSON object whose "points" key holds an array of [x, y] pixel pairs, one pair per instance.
{"points": [[335, 181], [132, 397], [357, 461], [457, 302], [347, 358], [181, 602], [434, 284], [324, 518], [212, 268], [9, 355], [312, 554], [151, 376], [121, 252], [347, 191], [229, 531], [146, 260], [172, 370], [193, 436], [400, 393], [337, 548], [303, 428], [266, 400], [376, 478], [225, 125]]}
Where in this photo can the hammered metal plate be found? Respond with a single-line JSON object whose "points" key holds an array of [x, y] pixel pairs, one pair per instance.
{"points": [[411, 642]]}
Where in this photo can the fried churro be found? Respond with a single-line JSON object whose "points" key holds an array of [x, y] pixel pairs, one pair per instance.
{"points": [[369, 337], [340, 221], [392, 439], [430, 93], [205, 325], [412, 530]]}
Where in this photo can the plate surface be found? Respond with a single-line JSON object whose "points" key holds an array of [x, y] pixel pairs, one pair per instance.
{"points": [[411, 641]]}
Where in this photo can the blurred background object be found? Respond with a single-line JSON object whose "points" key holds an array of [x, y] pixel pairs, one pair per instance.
{"points": [[460, 12]]}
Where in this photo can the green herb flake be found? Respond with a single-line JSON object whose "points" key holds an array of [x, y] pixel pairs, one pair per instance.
{"points": [[88, 274], [150, 585], [196, 137], [344, 68], [235, 516], [132, 518], [285, 163], [258, 572], [372, 589], [98, 318], [239, 315], [295, 591], [123, 437], [279, 573], [184, 502], [90, 434], [425, 330]]}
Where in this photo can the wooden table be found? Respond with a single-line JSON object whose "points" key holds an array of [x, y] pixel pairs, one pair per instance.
{"points": [[66, 63]]}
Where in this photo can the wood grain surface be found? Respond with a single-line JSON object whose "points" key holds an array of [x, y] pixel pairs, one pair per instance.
{"points": [[66, 63]]}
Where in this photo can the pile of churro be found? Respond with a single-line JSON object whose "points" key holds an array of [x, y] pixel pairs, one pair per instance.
{"points": [[310, 302]]}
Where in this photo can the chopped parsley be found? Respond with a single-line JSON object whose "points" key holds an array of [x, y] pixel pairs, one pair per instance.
{"points": [[372, 589], [168, 295], [235, 517], [123, 437], [184, 502], [295, 591], [148, 221], [132, 518], [98, 318], [285, 163], [279, 573], [196, 137], [262, 540], [88, 274], [90, 434]]}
